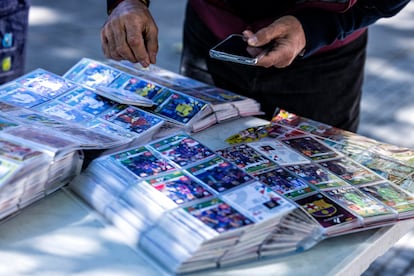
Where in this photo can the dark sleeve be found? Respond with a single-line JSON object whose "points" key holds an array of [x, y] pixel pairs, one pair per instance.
{"points": [[324, 27]]}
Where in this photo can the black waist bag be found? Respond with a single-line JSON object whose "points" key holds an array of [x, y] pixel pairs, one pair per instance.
{"points": [[13, 28]]}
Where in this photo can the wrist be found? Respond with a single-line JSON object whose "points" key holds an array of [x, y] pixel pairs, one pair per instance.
{"points": [[111, 4]]}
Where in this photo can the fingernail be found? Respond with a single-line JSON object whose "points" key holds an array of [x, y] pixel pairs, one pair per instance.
{"points": [[153, 58], [252, 40], [144, 63]]}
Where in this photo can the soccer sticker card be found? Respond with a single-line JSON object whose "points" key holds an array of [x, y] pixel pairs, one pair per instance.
{"points": [[220, 174], [182, 149], [311, 148], [218, 215]]}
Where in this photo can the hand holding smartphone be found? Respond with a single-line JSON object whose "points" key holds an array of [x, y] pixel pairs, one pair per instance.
{"points": [[234, 48]]}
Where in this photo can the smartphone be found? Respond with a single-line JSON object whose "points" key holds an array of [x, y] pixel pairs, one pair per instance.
{"points": [[234, 48]]}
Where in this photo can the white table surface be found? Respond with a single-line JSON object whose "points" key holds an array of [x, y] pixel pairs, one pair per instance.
{"points": [[61, 235]]}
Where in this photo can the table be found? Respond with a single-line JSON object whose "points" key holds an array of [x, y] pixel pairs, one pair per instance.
{"points": [[61, 235]]}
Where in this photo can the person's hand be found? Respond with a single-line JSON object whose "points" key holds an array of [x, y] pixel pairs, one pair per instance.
{"points": [[287, 36], [130, 33]]}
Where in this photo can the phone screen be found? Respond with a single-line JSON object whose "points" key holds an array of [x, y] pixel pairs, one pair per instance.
{"points": [[234, 45], [234, 48]]}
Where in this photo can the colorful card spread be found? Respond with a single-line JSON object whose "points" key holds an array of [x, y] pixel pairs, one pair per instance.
{"points": [[391, 195], [316, 175], [136, 120], [325, 211], [136, 85], [246, 158], [218, 215], [58, 109], [360, 203], [5, 123], [42, 137], [258, 201], [177, 107], [109, 128], [91, 73], [220, 174], [248, 135], [283, 182], [350, 171], [86, 100], [38, 118], [46, 84], [389, 169], [7, 168], [17, 151], [278, 152], [20, 96], [182, 149], [311, 148], [178, 187], [143, 162]]}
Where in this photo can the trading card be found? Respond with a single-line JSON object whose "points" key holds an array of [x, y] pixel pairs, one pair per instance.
{"points": [[317, 175], [281, 181], [218, 215], [109, 114], [387, 168], [276, 130], [88, 137], [311, 148], [359, 202], [42, 137], [179, 187], [178, 80], [7, 169], [248, 135], [221, 94], [6, 123], [109, 128], [350, 171], [182, 149], [203, 96], [16, 151], [278, 152], [246, 158], [286, 118], [391, 195], [4, 107], [178, 107], [408, 184], [31, 117], [401, 154], [136, 120], [220, 174], [86, 100], [66, 112], [350, 150], [136, 85], [19, 96], [92, 73], [258, 201], [325, 211], [45, 84], [143, 162]]}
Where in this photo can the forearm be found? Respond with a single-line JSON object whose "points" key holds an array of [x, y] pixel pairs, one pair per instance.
{"points": [[322, 27]]}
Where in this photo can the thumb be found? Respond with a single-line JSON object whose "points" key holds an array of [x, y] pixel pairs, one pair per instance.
{"points": [[260, 38]]}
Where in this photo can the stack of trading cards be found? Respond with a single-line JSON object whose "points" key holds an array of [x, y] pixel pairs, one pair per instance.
{"points": [[222, 104], [33, 163], [177, 193], [94, 121], [124, 88]]}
